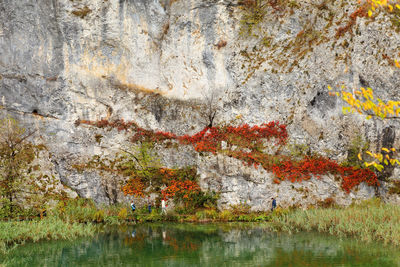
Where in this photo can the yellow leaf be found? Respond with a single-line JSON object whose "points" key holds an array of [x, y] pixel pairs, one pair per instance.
{"points": [[346, 110], [393, 149], [398, 6], [379, 167], [385, 149], [386, 162], [390, 8], [359, 156], [397, 63], [369, 13], [367, 164], [329, 87]]}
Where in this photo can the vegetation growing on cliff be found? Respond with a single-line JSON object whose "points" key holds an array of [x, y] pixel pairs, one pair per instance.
{"points": [[250, 145], [327, 23], [144, 175], [21, 180]]}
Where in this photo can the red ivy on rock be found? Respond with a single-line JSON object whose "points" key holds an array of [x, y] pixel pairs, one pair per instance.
{"points": [[248, 139], [207, 140], [180, 183], [181, 189]]}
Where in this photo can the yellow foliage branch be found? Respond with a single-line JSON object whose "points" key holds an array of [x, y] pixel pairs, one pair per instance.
{"points": [[389, 6], [379, 159], [363, 102]]}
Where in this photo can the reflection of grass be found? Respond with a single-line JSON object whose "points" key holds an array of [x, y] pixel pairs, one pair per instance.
{"points": [[13, 233], [224, 244], [230, 244], [371, 220]]}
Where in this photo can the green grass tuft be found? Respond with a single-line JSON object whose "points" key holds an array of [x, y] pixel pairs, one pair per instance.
{"points": [[368, 221], [14, 233]]}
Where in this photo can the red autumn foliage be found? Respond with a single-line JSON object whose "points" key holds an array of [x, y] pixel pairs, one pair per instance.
{"points": [[134, 187], [248, 138], [304, 169], [179, 183], [207, 140], [182, 188], [297, 171]]}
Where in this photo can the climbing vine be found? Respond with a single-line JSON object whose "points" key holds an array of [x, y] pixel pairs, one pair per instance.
{"points": [[248, 144]]}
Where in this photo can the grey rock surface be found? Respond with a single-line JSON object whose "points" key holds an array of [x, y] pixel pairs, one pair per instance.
{"points": [[157, 61]]}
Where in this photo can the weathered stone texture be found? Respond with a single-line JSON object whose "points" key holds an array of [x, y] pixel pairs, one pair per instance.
{"points": [[155, 61]]}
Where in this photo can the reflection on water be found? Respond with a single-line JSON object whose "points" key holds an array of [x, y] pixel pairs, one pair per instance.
{"points": [[203, 245]]}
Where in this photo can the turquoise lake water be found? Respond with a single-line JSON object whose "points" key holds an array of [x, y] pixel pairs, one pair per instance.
{"points": [[216, 245]]}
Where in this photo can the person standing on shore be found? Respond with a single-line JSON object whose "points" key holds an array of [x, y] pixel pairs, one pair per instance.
{"points": [[273, 204], [163, 207], [149, 204]]}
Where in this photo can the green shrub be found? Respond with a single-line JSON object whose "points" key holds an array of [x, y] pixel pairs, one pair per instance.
{"points": [[242, 208], [356, 146], [262, 218], [226, 215], [5, 208], [207, 214], [123, 214], [212, 214], [98, 216], [10, 210], [76, 210], [191, 218], [196, 200], [180, 209], [205, 200], [183, 210], [243, 218], [154, 216], [201, 215]]}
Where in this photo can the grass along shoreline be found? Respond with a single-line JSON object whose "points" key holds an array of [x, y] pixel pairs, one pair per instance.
{"points": [[369, 221], [14, 233]]}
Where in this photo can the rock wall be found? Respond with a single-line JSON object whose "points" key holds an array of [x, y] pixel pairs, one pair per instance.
{"points": [[157, 62]]}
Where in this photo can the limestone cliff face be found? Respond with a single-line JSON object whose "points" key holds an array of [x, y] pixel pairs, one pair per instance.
{"points": [[157, 61]]}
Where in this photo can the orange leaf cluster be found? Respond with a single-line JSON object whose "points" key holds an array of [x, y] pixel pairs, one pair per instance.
{"points": [[134, 187], [182, 188]]}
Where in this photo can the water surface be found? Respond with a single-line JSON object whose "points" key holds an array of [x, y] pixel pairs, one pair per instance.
{"points": [[216, 245]]}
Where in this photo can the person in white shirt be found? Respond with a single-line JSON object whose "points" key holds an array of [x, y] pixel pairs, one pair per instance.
{"points": [[163, 207]]}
